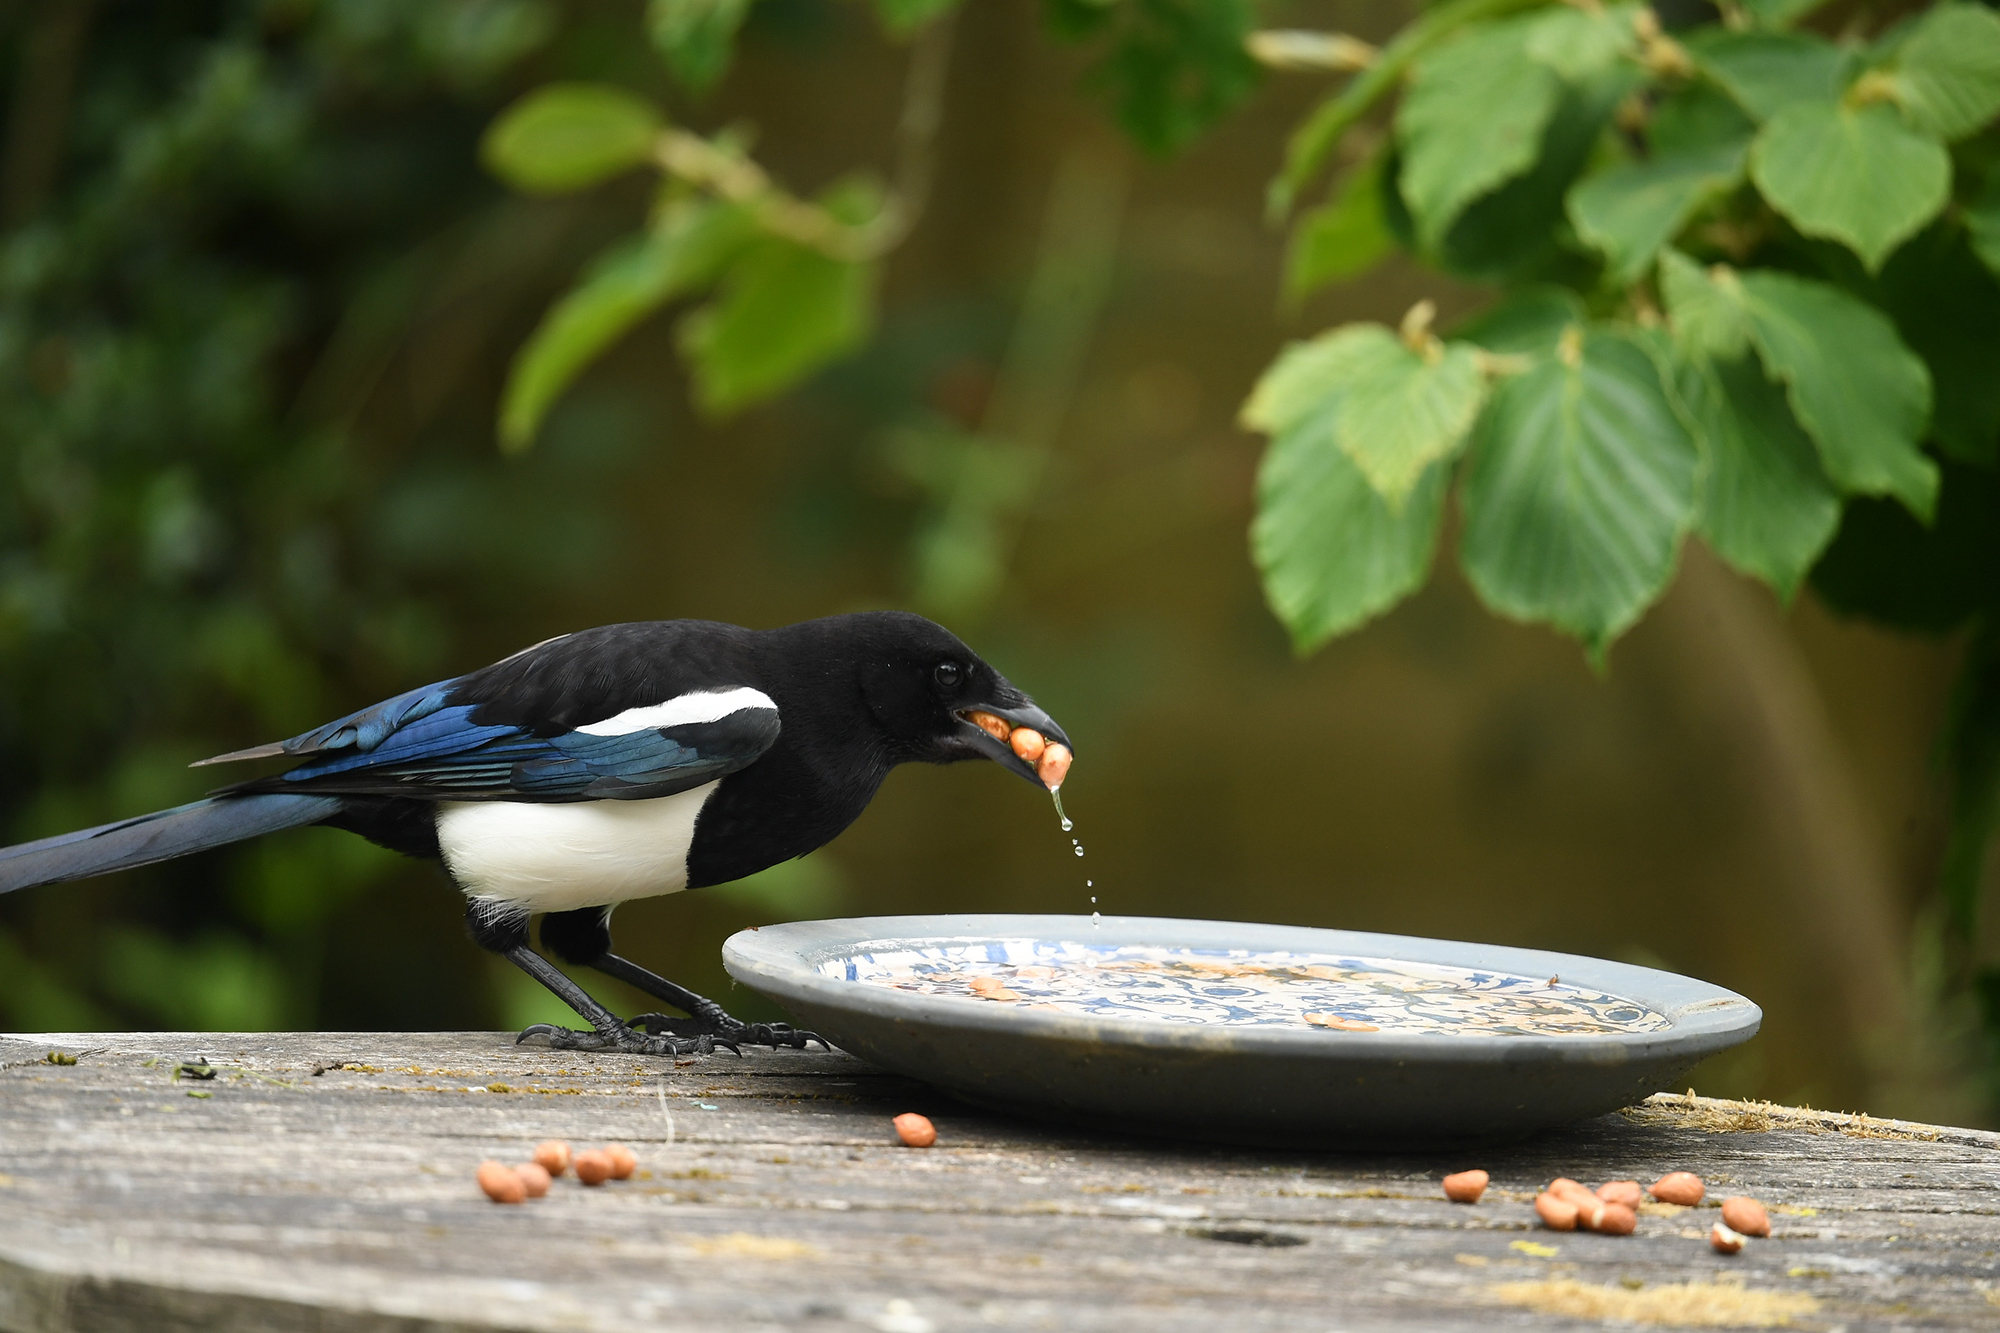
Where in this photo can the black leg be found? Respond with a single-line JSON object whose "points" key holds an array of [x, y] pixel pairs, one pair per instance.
{"points": [[611, 1033], [583, 937], [705, 1017]]}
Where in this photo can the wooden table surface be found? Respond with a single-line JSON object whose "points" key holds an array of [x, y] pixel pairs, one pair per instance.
{"points": [[325, 1182]]}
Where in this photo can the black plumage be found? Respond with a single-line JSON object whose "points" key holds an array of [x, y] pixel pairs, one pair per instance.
{"points": [[605, 765]]}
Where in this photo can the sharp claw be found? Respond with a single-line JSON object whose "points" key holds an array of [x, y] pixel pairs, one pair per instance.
{"points": [[711, 1027], [559, 1038]]}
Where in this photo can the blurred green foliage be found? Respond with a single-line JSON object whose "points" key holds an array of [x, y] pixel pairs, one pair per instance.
{"points": [[1169, 68], [795, 279], [1746, 293], [258, 206]]}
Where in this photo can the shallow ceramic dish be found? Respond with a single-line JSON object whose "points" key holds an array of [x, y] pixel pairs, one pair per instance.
{"points": [[1242, 1032]]}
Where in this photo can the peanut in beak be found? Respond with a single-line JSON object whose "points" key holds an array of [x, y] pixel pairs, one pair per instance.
{"points": [[1050, 758], [1054, 765], [989, 724]]}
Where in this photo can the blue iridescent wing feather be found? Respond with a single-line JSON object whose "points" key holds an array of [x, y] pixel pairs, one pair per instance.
{"points": [[419, 745]]}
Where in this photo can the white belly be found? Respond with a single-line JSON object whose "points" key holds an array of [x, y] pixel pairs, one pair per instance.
{"points": [[552, 858]]}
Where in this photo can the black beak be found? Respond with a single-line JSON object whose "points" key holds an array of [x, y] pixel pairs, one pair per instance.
{"points": [[1019, 711]]}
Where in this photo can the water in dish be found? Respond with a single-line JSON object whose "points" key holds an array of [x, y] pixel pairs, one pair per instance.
{"points": [[1242, 988]]}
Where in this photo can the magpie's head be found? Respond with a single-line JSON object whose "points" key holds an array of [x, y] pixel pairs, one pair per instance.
{"points": [[924, 688]]}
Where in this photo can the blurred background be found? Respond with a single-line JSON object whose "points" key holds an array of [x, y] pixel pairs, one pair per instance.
{"points": [[257, 303]]}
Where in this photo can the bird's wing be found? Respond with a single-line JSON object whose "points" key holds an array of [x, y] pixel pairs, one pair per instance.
{"points": [[435, 751], [360, 731]]}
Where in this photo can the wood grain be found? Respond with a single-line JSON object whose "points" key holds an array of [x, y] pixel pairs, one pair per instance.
{"points": [[772, 1194]]}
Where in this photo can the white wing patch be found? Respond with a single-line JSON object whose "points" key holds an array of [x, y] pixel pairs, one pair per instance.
{"points": [[708, 706]]}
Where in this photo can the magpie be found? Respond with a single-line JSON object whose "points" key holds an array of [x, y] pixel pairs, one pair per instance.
{"points": [[605, 765]]}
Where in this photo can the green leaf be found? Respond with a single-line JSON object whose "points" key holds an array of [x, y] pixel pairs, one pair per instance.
{"points": [[901, 16], [1175, 67], [1409, 412], [1631, 211], [1982, 224], [784, 312], [1339, 239], [1859, 176], [1471, 120], [1400, 412], [1299, 383], [1332, 552], [1945, 72], [630, 281], [1582, 483], [1767, 507], [1862, 395], [1519, 232], [1766, 72], [1697, 116], [696, 37], [1394, 411], [1779, 14], [1315, 139], [567, 136], [1579, 44], [1707, 309], [1530, 322]]}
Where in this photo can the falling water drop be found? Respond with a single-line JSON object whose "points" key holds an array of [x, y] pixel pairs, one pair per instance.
{"points": [[1055, 794]]}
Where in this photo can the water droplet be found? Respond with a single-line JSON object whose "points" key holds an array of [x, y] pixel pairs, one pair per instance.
{"points": [[1068, 825], [1095, 920]]}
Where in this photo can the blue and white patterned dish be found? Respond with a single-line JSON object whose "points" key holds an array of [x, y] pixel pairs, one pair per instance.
{"points": [[1243, 1032], [1238, 988]]}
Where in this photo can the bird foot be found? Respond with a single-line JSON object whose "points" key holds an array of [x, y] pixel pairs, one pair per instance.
{"points": [[623, 1038], [717, 1024]]}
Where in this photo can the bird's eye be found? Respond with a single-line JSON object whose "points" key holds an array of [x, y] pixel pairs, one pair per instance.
{"points": [[947, 674]]}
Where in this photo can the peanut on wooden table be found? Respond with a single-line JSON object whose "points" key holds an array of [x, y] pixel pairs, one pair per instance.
{"points": [[773, 1192]]}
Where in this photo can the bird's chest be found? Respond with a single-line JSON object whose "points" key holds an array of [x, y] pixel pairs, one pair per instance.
{"points": [[777, 809], [556, 857]]}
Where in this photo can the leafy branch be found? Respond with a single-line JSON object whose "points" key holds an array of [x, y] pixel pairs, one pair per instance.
{"points": [[1747, 279], [794, 278], [1314, 141]]}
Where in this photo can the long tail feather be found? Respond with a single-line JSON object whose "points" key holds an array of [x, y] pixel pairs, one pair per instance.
{"points": [[160, 836]]}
